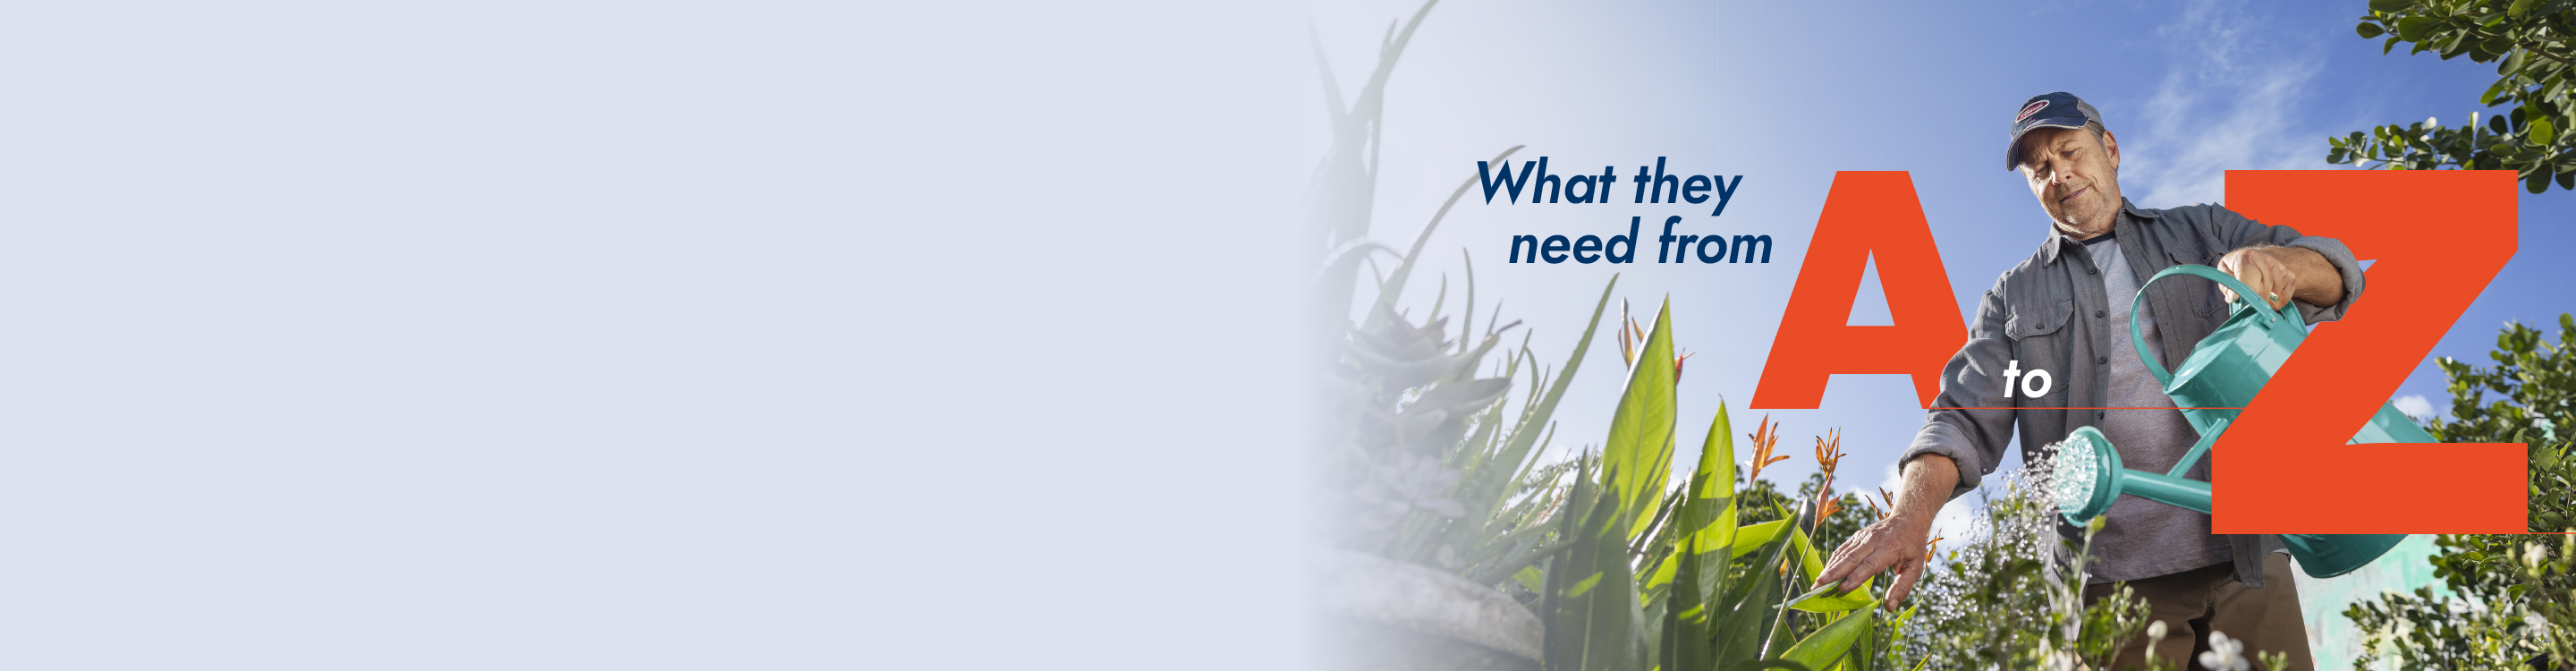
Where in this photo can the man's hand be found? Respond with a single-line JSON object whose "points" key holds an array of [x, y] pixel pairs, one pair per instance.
{"points": [[1891, 542], [2283, 273], [1899, 539]]}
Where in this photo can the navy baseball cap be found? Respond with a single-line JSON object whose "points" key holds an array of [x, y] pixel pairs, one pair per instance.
{"points": [[2052, 110]]}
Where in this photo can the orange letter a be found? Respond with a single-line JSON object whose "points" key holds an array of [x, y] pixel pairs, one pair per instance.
{"points": [[1866, 213]]}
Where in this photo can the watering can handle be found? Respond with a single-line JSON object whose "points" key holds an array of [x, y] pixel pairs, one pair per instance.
{"points": [[2139, 339]]}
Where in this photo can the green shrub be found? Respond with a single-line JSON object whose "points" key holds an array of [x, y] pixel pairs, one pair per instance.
{"points": [[2517, 593]]}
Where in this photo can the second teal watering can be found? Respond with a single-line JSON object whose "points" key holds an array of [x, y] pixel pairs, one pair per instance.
{"points": [[2216, 382]]}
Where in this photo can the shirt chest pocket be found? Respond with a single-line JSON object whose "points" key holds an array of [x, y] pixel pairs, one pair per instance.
{"points": [[2038, 320], [2201, 296]]}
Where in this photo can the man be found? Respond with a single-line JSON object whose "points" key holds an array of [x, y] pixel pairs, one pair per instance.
{"points": [[2066, 311]]}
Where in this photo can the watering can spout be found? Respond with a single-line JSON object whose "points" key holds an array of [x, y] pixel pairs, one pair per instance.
{"points": [[2088, 478]]}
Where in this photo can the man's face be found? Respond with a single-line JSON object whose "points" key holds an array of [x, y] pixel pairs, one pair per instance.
{"points": [[2075, 177]]}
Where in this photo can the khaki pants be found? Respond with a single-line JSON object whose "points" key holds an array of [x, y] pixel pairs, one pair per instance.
{"points": [[2195, 602]]}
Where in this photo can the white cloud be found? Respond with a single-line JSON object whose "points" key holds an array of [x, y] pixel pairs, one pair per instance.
{"points": [[2417, 407], [2227, 103]]}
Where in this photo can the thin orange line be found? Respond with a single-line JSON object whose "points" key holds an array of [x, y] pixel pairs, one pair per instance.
{"points": [[2160, 407]]}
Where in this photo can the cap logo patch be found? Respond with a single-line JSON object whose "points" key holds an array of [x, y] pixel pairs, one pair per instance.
{"points": [[2030, 109]]}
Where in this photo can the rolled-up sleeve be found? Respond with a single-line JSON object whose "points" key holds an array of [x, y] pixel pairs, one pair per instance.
{"points": [[2239, 231], [1973, 438]]}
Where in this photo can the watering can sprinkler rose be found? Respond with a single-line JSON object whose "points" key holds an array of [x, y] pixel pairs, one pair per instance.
{"points": [[2214, 384]]}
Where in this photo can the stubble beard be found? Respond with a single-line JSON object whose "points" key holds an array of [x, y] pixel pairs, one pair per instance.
{"points": [[2094, 222]]}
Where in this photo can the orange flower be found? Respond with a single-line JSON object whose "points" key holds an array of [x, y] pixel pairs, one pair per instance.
{"points": [[1630, 336], [1829, 451], [1883, 497], [1764, 437], [1931, 547]]}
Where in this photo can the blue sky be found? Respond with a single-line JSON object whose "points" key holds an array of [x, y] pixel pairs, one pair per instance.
{"points": [[1786, 94]]}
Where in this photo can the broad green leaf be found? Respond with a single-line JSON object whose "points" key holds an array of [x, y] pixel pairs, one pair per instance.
{"points": [[1829, 643], [2542, 132], [1584, 586], [2416, 28], [1708, 512], [1684, 641], [1767, 665], [1749, 608], [1807, 555], [1665, 570], [1817, 601], [1752, 537], [1697, 569], [1715, 477], [2369, 30], [1592, 617], [1530, 578], [1640, 447]]}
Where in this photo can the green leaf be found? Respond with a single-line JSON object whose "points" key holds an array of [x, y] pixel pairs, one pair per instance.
{"points": [[2542, 133], [1591, 614], [2369, 30], [1709, 511], [2416, 28], [2389, 5], [1749, 608], [1531, 579], [1767, 665], [2496, 46], [1640, 447], [1825, 600], [1752, 537], [1814, 565], [1685, 642], [1828, 644], [1705, 531]]}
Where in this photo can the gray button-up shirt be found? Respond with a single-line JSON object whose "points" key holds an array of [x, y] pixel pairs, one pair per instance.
{"points": [[2051, 313]]}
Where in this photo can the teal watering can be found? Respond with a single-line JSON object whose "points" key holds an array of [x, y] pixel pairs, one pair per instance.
{"points": [[2219, 379]]}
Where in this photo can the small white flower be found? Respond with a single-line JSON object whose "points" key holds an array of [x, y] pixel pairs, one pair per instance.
{"points": [[2225, 654], [2156, 631]]}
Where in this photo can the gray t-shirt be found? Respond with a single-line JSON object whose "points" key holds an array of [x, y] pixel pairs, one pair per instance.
{"points": [[2144, 539]]}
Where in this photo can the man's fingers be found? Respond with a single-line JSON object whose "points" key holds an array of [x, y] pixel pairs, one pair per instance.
{"points": [[2285, 280], [1848, 562], [1897, 590], [2228, 264], [1858, 569]]}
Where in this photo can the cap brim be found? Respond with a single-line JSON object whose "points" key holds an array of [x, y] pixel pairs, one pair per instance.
{"points": [[2012, 150]]}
